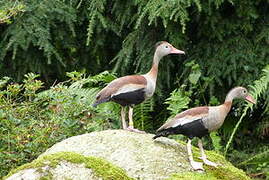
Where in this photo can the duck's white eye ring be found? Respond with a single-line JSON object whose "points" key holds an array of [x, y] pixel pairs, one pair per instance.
{"points": [[244, 91]]}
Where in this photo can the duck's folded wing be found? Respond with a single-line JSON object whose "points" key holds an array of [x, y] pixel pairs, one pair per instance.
{"points": [[186, 117], [122, 85]]}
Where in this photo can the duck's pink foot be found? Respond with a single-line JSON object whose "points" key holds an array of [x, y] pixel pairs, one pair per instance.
{"points": [[135, 130], [210, 163], [197, 166], [207, 162]]}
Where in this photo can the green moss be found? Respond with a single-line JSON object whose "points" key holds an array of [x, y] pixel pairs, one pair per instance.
{"points": [[100, 167], [220, 173], [192, 176], [46, 177], [225, 171]]}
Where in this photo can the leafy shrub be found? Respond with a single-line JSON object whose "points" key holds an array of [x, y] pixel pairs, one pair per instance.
{"points": [[32, 119]]}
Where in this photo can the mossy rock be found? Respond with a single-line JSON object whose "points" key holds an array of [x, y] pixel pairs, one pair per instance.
{"points": [[137, 155], [226, 171], [68, 165]]}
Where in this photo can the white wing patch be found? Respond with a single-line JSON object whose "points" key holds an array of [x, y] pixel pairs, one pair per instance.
{"points": [[187, 119], [128, 88]]}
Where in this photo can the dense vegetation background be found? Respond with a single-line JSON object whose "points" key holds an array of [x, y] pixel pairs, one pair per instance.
{"points": [[227, 45]]}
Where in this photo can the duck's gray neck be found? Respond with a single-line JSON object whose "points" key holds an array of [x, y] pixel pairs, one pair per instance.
{"points": [[156, 58], [155, 64], [230, 96], [229, 100]]}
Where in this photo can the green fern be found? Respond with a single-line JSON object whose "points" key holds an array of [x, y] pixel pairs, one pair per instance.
{"points": [[178, 100], [65, 110], [96, 8], [81, 92], [104, 77], [79, 80], [4, 81], [124, 55], [142, 115], [216, 141], [174, 10]]}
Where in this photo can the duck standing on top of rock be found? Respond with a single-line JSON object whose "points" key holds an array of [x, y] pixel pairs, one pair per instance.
{"points": [[134, 89], [199, 121]]}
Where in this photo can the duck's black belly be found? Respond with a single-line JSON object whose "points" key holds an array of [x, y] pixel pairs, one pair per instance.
{"points": [[193, 129], [130, 98]]}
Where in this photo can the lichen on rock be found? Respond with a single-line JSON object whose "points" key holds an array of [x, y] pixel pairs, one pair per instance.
{"points": [[132, 155]]}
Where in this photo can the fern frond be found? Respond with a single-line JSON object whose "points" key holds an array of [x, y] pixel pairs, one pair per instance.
{"points": [[124, 56], [174, 10], [33, 28], [177, 101], [96, 18], [216, 141], [142, 115], [104, 77]]}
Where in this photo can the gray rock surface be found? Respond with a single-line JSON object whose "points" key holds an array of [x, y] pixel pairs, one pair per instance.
{"points": [[63, 171], [139, 155]]}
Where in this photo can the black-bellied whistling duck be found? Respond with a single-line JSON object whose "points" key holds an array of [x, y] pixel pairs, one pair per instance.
{"points": [[199, 121], [134, 89]]}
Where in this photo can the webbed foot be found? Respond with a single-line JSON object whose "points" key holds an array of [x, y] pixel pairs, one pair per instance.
{"points": [[132, 129], [210, 163], [197, 166]]}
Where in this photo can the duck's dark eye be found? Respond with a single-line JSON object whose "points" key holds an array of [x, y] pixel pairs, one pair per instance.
{"points": [[244, 91], [166, 47]]}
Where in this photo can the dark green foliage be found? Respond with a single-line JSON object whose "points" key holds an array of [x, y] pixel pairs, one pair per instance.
{"points": [[226, 42], [9, 9], [258, 162]]}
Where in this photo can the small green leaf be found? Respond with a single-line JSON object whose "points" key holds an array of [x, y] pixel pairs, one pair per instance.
{"points": [[194, 77]]}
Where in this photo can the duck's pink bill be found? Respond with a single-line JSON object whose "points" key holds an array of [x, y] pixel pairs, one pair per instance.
{"points": [[250, 99], [176, 51]]}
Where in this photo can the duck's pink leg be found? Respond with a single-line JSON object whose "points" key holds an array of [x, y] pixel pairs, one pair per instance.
{"points": [[123, 121], [195, 165], [203, 155], [131, 123]]}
